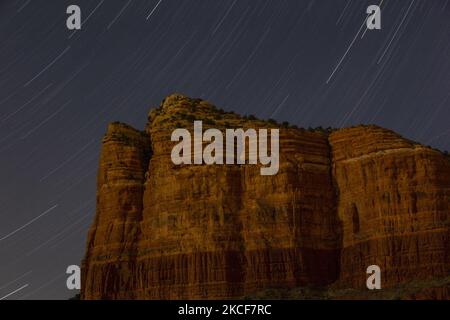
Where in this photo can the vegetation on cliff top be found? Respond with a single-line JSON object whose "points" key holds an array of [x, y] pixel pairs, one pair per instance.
{"points": [[177, 110]]}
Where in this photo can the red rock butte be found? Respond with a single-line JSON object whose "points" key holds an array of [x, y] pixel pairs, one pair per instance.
{"points": [[342, 200]]}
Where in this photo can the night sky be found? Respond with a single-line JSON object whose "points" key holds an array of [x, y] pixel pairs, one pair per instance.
{"points": [[310, 62]]}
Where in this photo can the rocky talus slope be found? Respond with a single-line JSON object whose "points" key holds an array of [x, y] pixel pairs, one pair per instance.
{"points": [[341, 201]]}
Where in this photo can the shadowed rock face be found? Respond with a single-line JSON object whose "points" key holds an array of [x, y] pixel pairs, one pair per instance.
{"points": [[340, 202]]}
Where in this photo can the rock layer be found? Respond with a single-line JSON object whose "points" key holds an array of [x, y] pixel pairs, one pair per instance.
{"points": [[394, 204], [341, 201]]}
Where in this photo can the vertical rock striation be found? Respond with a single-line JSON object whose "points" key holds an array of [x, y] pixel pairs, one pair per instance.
{"points": [[109, 267], [339, 203], [394, 204]]}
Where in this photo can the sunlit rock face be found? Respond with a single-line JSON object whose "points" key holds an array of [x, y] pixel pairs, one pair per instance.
{"points": [[394, 205], [341, 201]]}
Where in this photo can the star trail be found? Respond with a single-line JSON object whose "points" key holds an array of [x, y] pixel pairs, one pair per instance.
{"points": [[310, 62]]}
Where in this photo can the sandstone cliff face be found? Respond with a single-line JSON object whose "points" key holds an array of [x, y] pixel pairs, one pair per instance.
{"points": [[394, 204], [339, 203], [112, 239]]}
